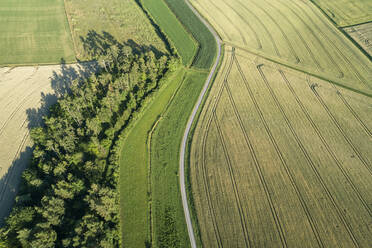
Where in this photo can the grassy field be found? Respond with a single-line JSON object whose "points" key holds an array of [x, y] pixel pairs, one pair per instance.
{"points": [[34, 32], [280, 158], [345, 12], [134, 185], [207, 47], [362, 34], [151, 209], [124, 20], [181, 39], [293, 33]]}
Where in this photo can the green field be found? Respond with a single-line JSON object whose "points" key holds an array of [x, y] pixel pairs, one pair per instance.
{"points": [[280, 155], [134, 185], [207, 45], [123, 20], [346, 12], [34, 32], [362, 34], [160, 195], [181, 39]]}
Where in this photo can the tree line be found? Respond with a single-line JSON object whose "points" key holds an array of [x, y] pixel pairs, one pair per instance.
{"points": [[68, 196]]}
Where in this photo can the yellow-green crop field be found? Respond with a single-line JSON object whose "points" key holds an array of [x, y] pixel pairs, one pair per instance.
{"points": [[281, 154], [94, 21], [34, 32], [293, 33], [347, 12], [362, 34]]}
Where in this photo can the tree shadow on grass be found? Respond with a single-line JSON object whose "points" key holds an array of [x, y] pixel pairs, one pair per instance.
{"points": [[96, 44]]}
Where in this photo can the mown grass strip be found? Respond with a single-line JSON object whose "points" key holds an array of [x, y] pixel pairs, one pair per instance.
{"points": [[134, 195], [170, 25], [169, 221], [207, 45]]}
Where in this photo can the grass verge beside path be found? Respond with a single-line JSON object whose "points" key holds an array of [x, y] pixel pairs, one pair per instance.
{"points": [[134, 193], [168, 216], [163, 16], [207, 45]]}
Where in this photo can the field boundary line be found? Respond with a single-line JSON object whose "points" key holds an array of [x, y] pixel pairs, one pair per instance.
{"points": [[338, 35], [304, 110], [70, 29], [189, 124], [335, 122], [273, 60]]}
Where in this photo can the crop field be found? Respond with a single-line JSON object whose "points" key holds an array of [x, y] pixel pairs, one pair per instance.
{"points": [[181, 39], [362, 34], [345, 12], [292, 33], [25, 92], [34, 32], [280, 158], [123, 20], [207, 48]]}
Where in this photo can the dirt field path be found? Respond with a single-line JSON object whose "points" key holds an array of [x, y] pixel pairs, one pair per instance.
{"points": [[25, 93]]}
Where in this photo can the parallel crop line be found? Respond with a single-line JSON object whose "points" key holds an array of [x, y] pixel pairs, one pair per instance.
{"points": [[232, 23], [264, 27], [205, 180], [341, 74], [332, 117], [304, 206], [303, 108], [297, 59], [366, 129], [259, 44], [354, 69], [299, 35], [275, 215], [247, 240]]}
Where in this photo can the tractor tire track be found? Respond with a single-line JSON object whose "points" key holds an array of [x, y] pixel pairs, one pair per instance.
{"points": [[340, 72], [248, 242], [264, 27], [334, 157], [356, 116], [276, 217], [320, 68], [289, 173], [232, 23], [354, 69], [292, 51], [258, 41], [335, 122], [204, 169]]}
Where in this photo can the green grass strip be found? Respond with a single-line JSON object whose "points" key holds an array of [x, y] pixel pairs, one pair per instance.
{"points": [[181, 39], [134, 196], [169, 226], [207, 45]]}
